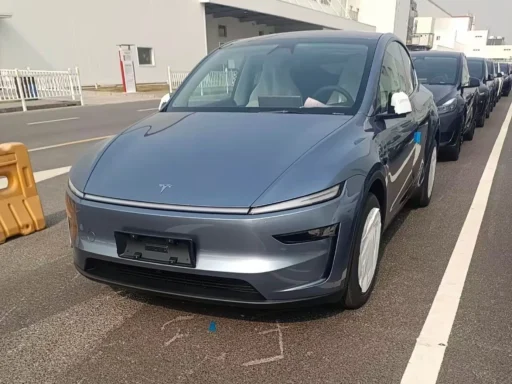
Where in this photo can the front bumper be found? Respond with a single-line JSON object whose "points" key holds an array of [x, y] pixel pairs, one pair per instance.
{"points": [[450, 127], [238, 260]]}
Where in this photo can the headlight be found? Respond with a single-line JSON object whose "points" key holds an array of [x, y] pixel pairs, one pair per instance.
{"points": [[74, 190], [315, 198], [449, 106]]}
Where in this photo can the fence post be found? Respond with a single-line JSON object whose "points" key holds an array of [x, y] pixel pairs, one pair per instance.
{"points": [[169, 78], [79, 84], [227, 82], [71, 85], [21, 90]]}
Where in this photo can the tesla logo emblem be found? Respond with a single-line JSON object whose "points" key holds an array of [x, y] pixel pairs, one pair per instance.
{"points": [[163, 187]]}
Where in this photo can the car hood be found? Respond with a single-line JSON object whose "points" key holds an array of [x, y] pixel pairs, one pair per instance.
{"points": [[442, 93], [203, 159]]}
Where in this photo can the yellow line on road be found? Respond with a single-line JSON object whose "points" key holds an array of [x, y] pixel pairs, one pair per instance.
{"points": [[70, 143]]}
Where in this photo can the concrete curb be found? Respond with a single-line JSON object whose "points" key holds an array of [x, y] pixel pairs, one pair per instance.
{"points": [[39, 106]]}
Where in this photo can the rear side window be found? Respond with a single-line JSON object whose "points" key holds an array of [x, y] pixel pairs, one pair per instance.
{"points": [[465, 72], [410, 74], [392, 76]]}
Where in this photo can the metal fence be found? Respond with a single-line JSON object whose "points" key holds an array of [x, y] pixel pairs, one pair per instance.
{"points": [[214, 81], [25, 84]]}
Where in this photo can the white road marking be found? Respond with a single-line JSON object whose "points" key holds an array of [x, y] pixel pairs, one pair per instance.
{"points": [[147, 109], [179, 318], [427, 356], [177, 336], [273, 358], [53, 121], [70, 143], [42, 175], [7, 313], [62, 340]]}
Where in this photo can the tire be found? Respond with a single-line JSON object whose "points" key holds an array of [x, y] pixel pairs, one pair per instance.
{"points": [[423, 194], [481, 120], [359, 288], [452, 153], [468, 136]]}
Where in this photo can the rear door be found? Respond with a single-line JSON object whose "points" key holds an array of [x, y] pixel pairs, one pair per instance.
{"points": [[398, 134], [420, 114]]}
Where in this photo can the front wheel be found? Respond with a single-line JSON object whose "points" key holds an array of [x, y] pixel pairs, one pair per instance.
{"points": [[365, 255], [452, 153], [423, 194], [471, 133]]}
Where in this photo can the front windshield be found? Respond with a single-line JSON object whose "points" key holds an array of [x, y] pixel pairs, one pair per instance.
{"points": [[476, 69], [504, 68], [290, 77], [436, 69]]}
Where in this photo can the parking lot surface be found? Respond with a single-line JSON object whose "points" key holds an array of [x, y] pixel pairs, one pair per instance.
{"points": [[58, 327]]}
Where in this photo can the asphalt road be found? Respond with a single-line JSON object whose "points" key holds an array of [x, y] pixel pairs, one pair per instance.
{"points": [[58, 327]]}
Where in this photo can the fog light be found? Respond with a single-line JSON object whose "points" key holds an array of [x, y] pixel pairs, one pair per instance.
{"points": [[308, 236]]}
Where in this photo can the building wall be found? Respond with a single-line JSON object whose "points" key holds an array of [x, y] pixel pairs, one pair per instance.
{"points": [[234, 28], [427, 8], [473, 38], [403, 8], [502, 52], [57, 34], [382, 17]]}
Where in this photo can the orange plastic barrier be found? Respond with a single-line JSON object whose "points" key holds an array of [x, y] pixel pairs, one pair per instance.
{"points": [[21, 212]]}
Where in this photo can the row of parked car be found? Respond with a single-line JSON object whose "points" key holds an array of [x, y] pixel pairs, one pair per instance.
{"points": [[271, 173], [465, 90]]}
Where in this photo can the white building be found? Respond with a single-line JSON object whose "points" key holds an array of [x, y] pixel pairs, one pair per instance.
{"points": [[61, 34], [443, 33]]}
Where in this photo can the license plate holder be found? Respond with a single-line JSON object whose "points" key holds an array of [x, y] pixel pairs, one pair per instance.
{"points": [[155, 249]]}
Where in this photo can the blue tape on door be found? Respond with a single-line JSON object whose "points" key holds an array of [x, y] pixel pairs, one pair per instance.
{"points": [[417, 137]]}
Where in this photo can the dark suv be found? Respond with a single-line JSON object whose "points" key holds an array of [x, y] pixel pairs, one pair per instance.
{"points": [[496, 83], [505, 70], [478, 69], [446, 75]]}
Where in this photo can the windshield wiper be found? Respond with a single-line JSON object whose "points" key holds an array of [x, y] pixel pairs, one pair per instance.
{"points": [[305, 111]]}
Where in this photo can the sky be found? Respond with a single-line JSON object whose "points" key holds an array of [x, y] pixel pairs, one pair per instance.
{"points": [[495, 15]]}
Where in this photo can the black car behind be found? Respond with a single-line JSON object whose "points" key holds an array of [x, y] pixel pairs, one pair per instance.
{"points": [[478, 69], [505, 70], [446, 75]]}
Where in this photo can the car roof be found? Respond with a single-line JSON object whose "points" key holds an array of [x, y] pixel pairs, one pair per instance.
{"points": [[290, 37], [436, 53], [481, 59]]}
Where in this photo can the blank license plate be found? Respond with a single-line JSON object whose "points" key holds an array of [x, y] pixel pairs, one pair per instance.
{"points": [[156, 249]]}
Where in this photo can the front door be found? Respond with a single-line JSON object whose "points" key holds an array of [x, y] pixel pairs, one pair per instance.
{"points": [[400, 135]]}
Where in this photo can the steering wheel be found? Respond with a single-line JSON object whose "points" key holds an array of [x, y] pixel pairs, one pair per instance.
{"points": [[333, 88]]}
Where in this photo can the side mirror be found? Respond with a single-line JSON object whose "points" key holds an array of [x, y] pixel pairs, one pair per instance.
{"points": [[491, 77], [401, 103], [473, 82], [399, 106], [164, 101]]}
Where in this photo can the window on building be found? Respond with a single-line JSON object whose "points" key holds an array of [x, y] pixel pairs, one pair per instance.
{"points": [[507, 49], [438, 38], [223, 31], [478, 37], [146, 56], [325, 2], [476, 50]]}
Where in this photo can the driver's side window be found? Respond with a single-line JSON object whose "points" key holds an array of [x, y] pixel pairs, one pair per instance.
{"points": [[392, 77]]}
